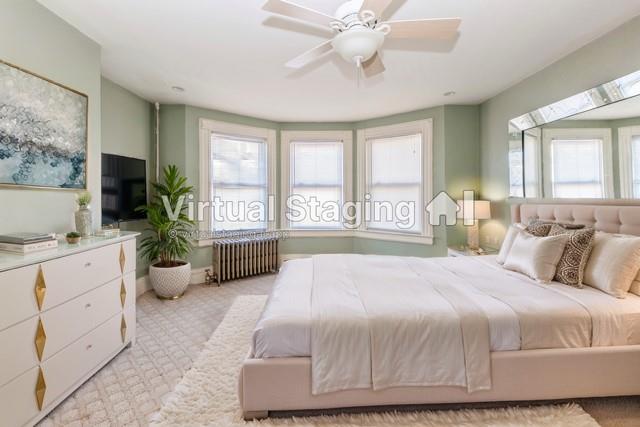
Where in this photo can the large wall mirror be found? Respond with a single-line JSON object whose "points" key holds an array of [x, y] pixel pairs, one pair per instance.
{"points": [[583, 147]]}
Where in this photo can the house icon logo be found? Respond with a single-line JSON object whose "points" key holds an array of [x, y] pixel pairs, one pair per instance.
{"points": [[443, 206]]}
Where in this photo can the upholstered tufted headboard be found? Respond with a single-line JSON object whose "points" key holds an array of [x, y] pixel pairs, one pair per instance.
{"points": [[612, 219]]}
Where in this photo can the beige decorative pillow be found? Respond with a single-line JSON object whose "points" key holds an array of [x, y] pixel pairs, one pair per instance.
{"points": [[614, 263], [635, 286], [537, 257], [509, 238], [570, 270]]}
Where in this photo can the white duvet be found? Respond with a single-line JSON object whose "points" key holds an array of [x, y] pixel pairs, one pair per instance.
{"points": [[378, 322]]}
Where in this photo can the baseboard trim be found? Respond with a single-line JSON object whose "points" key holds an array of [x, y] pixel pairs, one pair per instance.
{"points": [[198, 275], [287, 257]]}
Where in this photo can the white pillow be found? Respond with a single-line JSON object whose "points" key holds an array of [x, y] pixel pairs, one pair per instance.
{"points": [[614, 263], [507, 243], [537, 257], [635, 286]]}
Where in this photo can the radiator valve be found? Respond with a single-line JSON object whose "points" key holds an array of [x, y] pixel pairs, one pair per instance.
{"points": [[209, 278]]}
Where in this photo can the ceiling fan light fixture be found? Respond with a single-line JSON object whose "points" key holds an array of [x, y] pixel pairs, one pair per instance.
{"points": [[358, 44]]}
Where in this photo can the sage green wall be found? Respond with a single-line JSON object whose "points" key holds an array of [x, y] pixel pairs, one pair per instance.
{"points": [[35, 39], [604, 59], [127, 130], [455, 135], [462, 158]]}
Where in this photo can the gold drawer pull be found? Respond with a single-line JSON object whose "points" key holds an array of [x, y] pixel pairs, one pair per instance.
{"points": [[41, 340], [41, 389], [123, 329], [123, 293], [123, 258], [41, 288]]}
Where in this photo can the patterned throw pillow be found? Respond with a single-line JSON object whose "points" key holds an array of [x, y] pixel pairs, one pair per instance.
{"points": [[541, 228], [538, 228], [570, 270]]}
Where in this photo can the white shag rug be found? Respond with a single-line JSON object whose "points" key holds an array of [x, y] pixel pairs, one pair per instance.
{"points": [[207, 394]]}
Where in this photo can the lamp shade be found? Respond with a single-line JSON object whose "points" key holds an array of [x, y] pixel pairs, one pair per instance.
{"points": [[482, 209]]}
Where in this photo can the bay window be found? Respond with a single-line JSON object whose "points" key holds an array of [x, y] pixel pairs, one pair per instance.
{"points": [[395, 178], [316, 179], [236, 177]]}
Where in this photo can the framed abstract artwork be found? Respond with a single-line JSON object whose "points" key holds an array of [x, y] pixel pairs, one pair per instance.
{"points": [[43, 132]]}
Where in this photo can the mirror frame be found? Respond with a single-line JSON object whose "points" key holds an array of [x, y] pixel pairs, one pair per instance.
{"points": [[617, 90]]}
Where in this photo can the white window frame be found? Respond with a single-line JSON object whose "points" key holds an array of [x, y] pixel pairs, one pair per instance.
{"points": [[423, 127], [625, 138], [289, 136], [209, 127], [604, 134]]}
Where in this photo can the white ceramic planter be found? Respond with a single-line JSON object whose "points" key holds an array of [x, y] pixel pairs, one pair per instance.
{"points": [[170, 283]]}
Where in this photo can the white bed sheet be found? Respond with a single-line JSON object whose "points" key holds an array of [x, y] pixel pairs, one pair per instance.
{"points": [[284, 328]]}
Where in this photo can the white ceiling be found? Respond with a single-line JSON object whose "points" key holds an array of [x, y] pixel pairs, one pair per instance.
{"points": [[627, 109], [229, 54]]}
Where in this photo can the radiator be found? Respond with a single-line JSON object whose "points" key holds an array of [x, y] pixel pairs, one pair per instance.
{"points": [[244, 257]]}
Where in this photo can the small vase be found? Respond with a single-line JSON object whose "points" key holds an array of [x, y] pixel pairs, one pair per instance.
{"points": [[83, 222]]}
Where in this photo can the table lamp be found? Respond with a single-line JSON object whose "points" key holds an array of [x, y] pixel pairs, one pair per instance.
{"points": [[481, 210]]}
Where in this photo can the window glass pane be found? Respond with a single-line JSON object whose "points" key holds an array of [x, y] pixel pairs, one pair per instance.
{"points": [[395, 178], [238, 183], [317, 176], [396, 160], [577, 168], [635, 156]]}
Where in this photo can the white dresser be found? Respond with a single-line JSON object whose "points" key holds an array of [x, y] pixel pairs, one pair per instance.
{"points": [[63, 315]]}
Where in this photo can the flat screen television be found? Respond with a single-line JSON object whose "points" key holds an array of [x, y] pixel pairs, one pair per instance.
{"points": [[124, 188]]}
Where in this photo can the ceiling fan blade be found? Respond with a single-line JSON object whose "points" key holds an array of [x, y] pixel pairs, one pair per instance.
{"points": [[310, 55], [373, 66], [424, 28], [292, 10], [376, 6]]}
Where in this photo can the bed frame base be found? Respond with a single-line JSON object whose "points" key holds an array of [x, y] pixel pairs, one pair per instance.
{"points": [[284, 384]]}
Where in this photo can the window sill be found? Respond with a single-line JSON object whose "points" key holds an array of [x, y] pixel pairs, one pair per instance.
{"points": [[363, 234], [317, 233], [394, 237]]}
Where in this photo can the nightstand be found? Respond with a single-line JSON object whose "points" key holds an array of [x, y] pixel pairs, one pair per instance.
{"points": [[459, 251]]}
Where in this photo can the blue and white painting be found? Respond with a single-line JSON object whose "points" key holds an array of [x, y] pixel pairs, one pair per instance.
{"points": [[43, 132]]}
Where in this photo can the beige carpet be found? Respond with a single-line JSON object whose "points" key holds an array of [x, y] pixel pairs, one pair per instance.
{"points": [[171, 334], [206, 395]]}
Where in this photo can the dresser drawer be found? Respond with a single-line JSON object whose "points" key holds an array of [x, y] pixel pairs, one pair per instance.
{"points": [[74, 362], [17, 293], [68, 277], [69, 321], [18, 350], [18, 402]]}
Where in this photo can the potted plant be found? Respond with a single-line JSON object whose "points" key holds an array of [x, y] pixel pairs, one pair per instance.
{"points": [[73, 237], [169, 243], [83, 214]]}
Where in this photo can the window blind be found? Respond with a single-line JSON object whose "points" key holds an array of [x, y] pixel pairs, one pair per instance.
{"points": [[239, 181], [395, 176]]}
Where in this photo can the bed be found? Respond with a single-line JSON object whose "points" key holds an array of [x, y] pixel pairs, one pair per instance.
{"points": [[541, 342]]}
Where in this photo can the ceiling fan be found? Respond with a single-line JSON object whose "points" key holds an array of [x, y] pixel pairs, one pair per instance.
{"points": [[361, 31]]}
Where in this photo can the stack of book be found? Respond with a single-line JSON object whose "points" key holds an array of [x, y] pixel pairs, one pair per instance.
{"points": [[25, 243]]}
